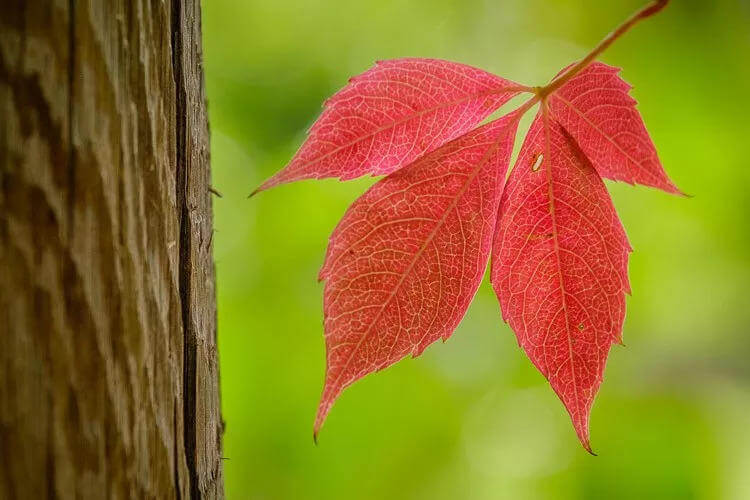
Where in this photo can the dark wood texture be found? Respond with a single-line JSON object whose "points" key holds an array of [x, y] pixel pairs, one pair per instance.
{"points": [[108, 364]]}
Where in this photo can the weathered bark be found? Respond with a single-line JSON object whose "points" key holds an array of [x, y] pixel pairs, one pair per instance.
{"points": [[108, 365]]}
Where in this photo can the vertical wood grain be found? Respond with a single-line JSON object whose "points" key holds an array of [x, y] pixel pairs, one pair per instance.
{"points": [[108, 363]]}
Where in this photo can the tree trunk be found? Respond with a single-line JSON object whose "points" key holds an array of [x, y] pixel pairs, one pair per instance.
{"points": [[108, 364]]}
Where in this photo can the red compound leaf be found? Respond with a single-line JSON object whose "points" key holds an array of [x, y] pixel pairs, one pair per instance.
{"points": [[407, 258], [595, 108], [391, 115], [559, 266]]}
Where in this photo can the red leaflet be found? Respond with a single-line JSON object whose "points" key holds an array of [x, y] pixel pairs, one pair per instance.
{"points": [[595, 108], [392, 114], [408, 256], [559, 266]]}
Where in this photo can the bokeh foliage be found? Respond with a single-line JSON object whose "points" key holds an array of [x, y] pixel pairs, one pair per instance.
{"points": [[473, 419]]}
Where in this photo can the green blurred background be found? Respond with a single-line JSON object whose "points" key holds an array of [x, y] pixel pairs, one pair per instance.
{"points": [[472, 419]]}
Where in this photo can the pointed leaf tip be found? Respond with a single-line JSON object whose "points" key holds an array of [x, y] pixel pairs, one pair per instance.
{"points": [[582, 432]]}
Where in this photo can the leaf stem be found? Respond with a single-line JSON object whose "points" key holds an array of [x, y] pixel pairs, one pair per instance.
{"points": [[523, 108], [541, 93], [647, 11]]}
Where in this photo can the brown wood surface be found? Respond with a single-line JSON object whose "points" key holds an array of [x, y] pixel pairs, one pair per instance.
{"points": [[108, 364]]}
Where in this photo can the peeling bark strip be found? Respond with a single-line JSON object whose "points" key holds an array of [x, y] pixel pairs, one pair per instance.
{"points": [[108, 365]]}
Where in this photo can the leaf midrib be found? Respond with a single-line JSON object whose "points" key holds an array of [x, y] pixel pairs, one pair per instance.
{"points": [[486, 93], [422, 248]]}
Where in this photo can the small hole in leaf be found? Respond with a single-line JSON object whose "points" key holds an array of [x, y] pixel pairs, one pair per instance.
{"points": [[580, 327], [537, 162]]}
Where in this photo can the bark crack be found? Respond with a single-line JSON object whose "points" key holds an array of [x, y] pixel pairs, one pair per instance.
{"points": [[71, 108], [176, 451], [185, 254]]}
